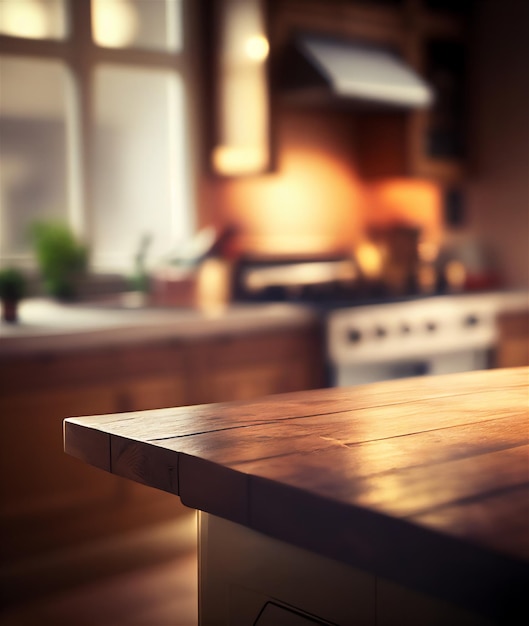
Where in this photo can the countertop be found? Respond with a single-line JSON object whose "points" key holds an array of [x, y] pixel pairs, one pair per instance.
{"points": [[423, 481], [50, 325], [46, 324]]}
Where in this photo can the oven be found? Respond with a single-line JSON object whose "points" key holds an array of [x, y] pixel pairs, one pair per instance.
{"points": [[420, 337], [372, 335]]}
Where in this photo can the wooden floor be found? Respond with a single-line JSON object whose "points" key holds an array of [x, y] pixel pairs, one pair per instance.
{"points": [[147, 578]]}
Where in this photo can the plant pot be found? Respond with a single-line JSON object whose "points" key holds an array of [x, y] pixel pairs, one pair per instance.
{"points": [[10, 311]]}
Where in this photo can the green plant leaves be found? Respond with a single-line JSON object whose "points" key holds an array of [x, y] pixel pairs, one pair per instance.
{"points": [[12, 284], [62, 259]]}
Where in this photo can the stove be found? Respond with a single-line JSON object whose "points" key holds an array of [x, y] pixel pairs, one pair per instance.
{"points": [[372, 334], [436, 335], [325, 283], [314, 280]]}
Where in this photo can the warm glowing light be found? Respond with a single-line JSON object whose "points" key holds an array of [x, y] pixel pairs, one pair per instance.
{"points": [[427, 278], [428, 251], [115, 23], [455, 275], [370, 259], [256, 47], [213, 286], [24, 18], [242, 124], [411, 202], [297, 274], [312, 204], [231, 160]]}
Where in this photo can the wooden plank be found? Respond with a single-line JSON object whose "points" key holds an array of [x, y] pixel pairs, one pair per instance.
{"points": [[407, 492], [479, 521], [214, 488], [87, 444], [324, 455], [431, 473], [275, 438], [402, 458], [146, 464], [161, 424], [384, 479], [419, 492]]}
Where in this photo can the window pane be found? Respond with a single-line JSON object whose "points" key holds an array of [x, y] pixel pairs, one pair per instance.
{"points": [[33, 19], [140, 185], [149, 24], [33, 148]]}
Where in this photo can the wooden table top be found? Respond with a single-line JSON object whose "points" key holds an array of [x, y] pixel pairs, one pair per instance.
{"points": [[424, 481]]}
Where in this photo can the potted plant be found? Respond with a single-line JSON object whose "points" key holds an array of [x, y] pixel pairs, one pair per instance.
{"points": [[12, 290], [62, 259]]}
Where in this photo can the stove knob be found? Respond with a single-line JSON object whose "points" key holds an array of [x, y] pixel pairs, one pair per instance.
{"points": [[471, 320], [354, 336], [420, 369], [431, 327], [380, 332]]}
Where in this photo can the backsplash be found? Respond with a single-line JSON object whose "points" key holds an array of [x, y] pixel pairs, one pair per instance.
{"points": [[316, 202]]}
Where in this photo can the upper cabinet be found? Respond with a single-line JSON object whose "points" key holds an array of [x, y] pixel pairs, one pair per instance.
{"points": [[239, 139], [428, 142], [428, 36]]}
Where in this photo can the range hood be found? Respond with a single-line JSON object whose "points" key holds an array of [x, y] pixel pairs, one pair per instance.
{"points": [[358, 73]]}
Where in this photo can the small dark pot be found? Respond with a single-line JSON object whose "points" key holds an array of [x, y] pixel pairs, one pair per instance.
{"points": [[10, 311]]}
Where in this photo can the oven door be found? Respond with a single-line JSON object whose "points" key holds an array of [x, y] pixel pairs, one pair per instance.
{"points": [[347, 374]]}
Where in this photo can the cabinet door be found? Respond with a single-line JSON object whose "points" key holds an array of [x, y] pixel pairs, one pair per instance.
{"points": [[513, 345], [241, 368], [438, 134], [245, 383], [254, 381], [427, 143], [35, 473], [153, 392], [50, 500]]}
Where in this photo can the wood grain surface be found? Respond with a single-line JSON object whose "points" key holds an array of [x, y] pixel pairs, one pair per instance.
{"points": [[424, 481]]}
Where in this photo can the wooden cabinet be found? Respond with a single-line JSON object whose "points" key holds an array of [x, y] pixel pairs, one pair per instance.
{"points": [[236, 50], [437, 48], [51, 500], [379, 22], [34, 419], [513, 344], [246, 367], [426, 143]]}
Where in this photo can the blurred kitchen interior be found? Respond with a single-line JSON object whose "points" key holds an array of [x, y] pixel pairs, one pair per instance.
{"points": [[317, 195], [189, 167]]}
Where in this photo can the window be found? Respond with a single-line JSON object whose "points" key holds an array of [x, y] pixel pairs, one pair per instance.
{"points": [[33, 146], [142, 24], [93, 126], [33, 19]]}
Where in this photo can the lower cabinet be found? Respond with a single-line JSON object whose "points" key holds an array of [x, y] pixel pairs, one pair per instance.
{"points": [[513, 343], [242, 368], [247, 577], [155, 392], [49, 500], [52, 501]]}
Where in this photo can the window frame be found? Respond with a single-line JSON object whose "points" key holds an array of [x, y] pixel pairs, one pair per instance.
{"points": [[81, 56]]}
